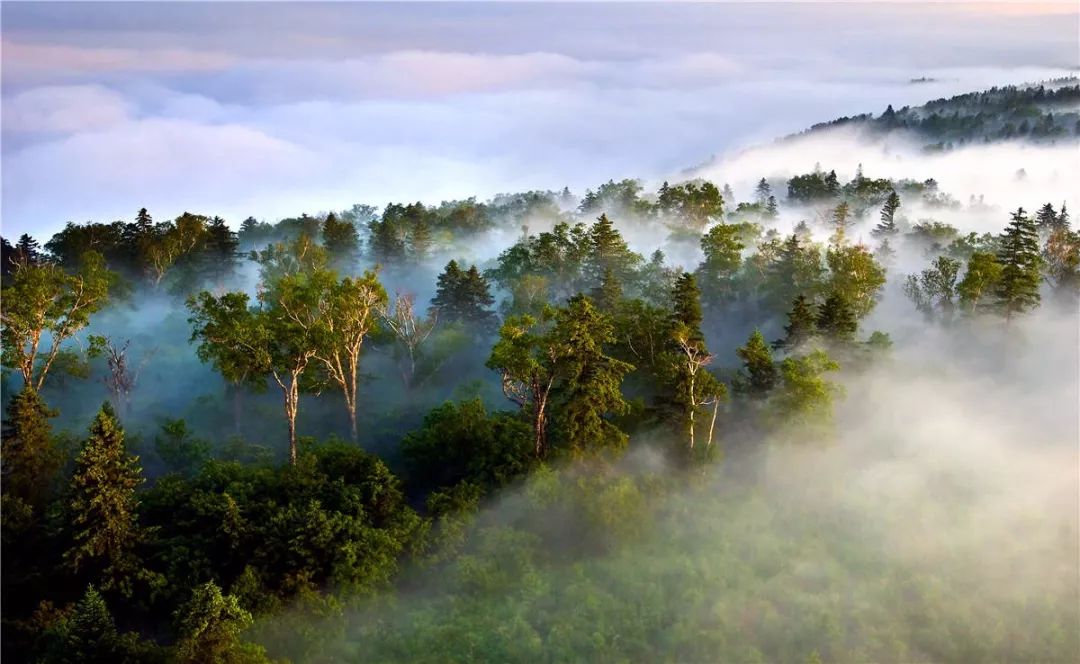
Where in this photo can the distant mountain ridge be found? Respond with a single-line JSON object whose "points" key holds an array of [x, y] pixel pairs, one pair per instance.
{"points": [[1044, 112]]}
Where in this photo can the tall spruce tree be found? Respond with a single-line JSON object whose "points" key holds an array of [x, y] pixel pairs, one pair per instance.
{"points": [[1018, 289], [801, 326], [836, 319], [101, 510], [760, 371], [886, 228]]}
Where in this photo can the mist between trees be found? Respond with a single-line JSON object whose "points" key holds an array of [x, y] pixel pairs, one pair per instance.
{"points": [[823, 415]]}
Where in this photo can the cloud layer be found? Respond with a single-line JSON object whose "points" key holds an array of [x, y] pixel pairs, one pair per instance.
{"points": [[235, 109]]}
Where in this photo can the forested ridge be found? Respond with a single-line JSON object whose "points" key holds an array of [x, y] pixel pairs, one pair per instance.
{"points": [[360, 435], [1045, 112]]}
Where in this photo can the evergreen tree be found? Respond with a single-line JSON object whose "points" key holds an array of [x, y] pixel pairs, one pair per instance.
{"points": [[219, 251], [464, 297], [886, 228], [1046, 219], [341, 241], [88, 636], [210, 626], [29, 459], [801, 326], [1018, 290], [719, 271], [1063, 217], [608, 294], [686, 306], [27, 251], [772, 211], [763, 192], [759, 370], [420, 240], [607, 250], [837, 320], [591, 388], [101, 511]]}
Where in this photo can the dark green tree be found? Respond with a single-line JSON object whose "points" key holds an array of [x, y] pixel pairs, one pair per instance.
{"points": [[209, 627], [1021, 265], [801, 324], [341, 241], [886, 228], [101, 516], [760, 373], [464, 296], [837, 320]]}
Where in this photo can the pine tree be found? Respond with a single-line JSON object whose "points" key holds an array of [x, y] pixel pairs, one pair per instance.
{"points": [[463, 296], [88, 635], [772, 211], [1046, 219], [608, 293], [1018, 290], [802, 324], [420, 240], [607, 250], [686, 305], [30, 461], [887, 227], [760, 371], [837, 320], [763, 192], [27, 250], [341, 241], [591, 390], [219, 251], [101, 513], [1063, 217]]}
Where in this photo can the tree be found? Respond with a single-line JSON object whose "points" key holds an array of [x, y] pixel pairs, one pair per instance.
{"points": [[760, 371], [351, 314], [279, 339], [980, 281], [1061, 257], [793, 270], [801, 325], [122, 377], [693, 386], [719, 272], [608, 294], [27, 251], [410, 331], [935, 288], [854, 274], [763, 192], [209, 627], [420, 239], [591, 386], [341, 241], [693, 204], [219, 251], [30, 461], [1018, 289], [886, 228], [101, 514], [607, 250], [172, 241], [804, 399], [837, 320], [841, 220], [464, 296], [44, 299], [1046, 219], [88, 635]]}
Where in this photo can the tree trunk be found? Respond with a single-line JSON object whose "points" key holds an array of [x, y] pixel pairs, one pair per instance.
{"points": [[292, 397], [238, 406]]}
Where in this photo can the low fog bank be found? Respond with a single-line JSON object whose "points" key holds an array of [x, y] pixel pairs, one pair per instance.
{"points": [[938, 523]]}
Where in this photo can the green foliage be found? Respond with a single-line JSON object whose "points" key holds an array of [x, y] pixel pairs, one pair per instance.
{"points": [[463, 443], [980, 281], [692, 204], [935, 288], [179, 449], [801, 324], [760, 372], [30, 460], [837, 320], [463, 296], [1021, 267], [341, 241], [42, 301], [803, 402], [855, 276], [210, 627], [719, 271], [100, 516]]}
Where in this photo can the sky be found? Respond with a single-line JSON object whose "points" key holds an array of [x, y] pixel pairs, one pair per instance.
{"points": [[239, 109]]}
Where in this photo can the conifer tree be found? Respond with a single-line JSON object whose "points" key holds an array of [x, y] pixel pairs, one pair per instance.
{"points": [[29, 459], [760, 371], [836, 319], [88, 635], [1046, 219], [341, 241], [608, 293], [886, 228], [763, 192], [1021, 263], [591, 387], [101, 511], [210, 626], [464, 296], [801, 326]]}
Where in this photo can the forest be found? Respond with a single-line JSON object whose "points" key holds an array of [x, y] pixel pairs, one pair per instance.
{"points": [[829, 418]]}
